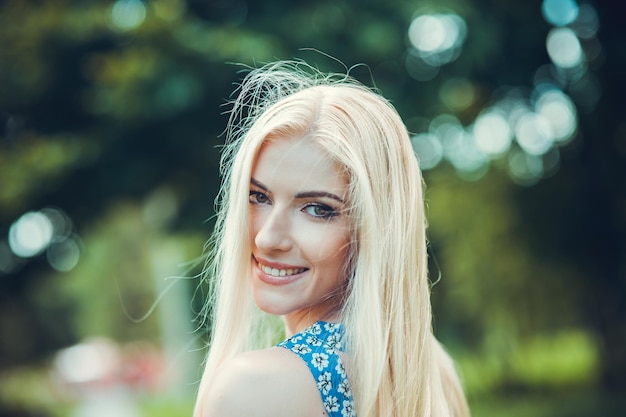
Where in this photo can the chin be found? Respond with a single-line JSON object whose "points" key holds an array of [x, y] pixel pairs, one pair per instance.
{"points": [[269, 307]]}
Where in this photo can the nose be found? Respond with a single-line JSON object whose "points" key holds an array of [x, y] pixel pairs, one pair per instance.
{"points": [[273, 231]]}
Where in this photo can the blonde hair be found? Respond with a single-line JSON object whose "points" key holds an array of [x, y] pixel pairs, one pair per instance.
{"points": [[397, 368]]}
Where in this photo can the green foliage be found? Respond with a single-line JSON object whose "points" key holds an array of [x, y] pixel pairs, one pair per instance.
{"points": [[99, 113], [120, 273], [567, 360], [36, 161]]}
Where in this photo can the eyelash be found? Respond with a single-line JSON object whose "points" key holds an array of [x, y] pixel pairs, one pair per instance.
{"points": [[329, 212], [254, 197], [258, 197]]}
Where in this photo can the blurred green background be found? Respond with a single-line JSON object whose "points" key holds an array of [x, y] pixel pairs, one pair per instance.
{"points": [[111, 113]]}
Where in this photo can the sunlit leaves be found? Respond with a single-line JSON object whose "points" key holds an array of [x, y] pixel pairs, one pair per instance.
{"points": [[37, 161]]}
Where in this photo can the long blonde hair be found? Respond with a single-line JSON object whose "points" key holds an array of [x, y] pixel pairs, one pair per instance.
{"points": [[397, 368]]}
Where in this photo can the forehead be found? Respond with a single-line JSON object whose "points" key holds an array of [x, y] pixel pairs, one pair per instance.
{"points": [[298, 163]]}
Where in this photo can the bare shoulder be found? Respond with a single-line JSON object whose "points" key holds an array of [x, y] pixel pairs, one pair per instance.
{"points": [[271, 382]]}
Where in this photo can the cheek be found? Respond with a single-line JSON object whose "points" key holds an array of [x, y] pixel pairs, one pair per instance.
{"points": [[331, 249], [255, 222], [334, 267]]}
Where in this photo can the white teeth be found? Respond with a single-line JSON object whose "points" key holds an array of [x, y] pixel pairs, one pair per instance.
{"points": [[280, 272]]}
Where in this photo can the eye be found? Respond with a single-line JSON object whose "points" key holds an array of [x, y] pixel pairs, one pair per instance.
{"points": [[321, 211], [257, 197]]}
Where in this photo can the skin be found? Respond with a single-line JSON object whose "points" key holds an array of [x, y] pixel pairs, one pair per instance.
{"points": [[265, 383], [298, 224]]}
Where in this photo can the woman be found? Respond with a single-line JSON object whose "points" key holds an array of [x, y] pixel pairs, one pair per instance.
{"points": [[321, 223]]}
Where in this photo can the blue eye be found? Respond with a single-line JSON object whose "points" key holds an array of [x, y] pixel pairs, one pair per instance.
{"points": [[321, 211], [257, 197]]}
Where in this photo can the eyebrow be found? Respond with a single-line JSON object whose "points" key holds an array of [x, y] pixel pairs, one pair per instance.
{"points": [[306, 194]]}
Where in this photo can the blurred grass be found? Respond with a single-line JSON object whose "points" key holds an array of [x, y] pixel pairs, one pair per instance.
{"points": [[552, 375], [151, 407], [29, 392], [32, 391], [550, 404]]}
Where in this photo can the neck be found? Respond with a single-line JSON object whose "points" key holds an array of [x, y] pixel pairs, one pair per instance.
{"points": [[295, 323]]}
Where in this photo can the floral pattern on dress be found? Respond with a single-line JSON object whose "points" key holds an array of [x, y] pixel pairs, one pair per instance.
{"points": [[319, 347]]}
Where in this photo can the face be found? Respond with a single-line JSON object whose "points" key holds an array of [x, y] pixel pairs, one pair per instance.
{"points": [[299, 232]]}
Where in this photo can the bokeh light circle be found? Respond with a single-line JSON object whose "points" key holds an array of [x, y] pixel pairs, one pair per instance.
{"points": [[64, 255], [525, 169], [30, 234], [533, 134], [127, 14], [587, 23], [564, 48], [427, 33], [492, 132], [437, 38], [428, 149], [559, 112], [559, 12]]}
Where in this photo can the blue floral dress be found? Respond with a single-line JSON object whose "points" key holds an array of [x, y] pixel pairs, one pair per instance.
{"points": [[319, 347]]}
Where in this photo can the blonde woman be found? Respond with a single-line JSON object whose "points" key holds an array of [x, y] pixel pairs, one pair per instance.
{"points": [[321, 223]]}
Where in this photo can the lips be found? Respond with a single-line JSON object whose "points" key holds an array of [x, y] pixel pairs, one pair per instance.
{"points": [[275, 273]]}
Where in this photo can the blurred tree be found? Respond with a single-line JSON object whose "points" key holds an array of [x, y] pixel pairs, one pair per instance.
{"points": [[103, 102]]}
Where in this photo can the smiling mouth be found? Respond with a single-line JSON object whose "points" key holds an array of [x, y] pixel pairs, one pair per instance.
{"points": [[275, 272]]}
